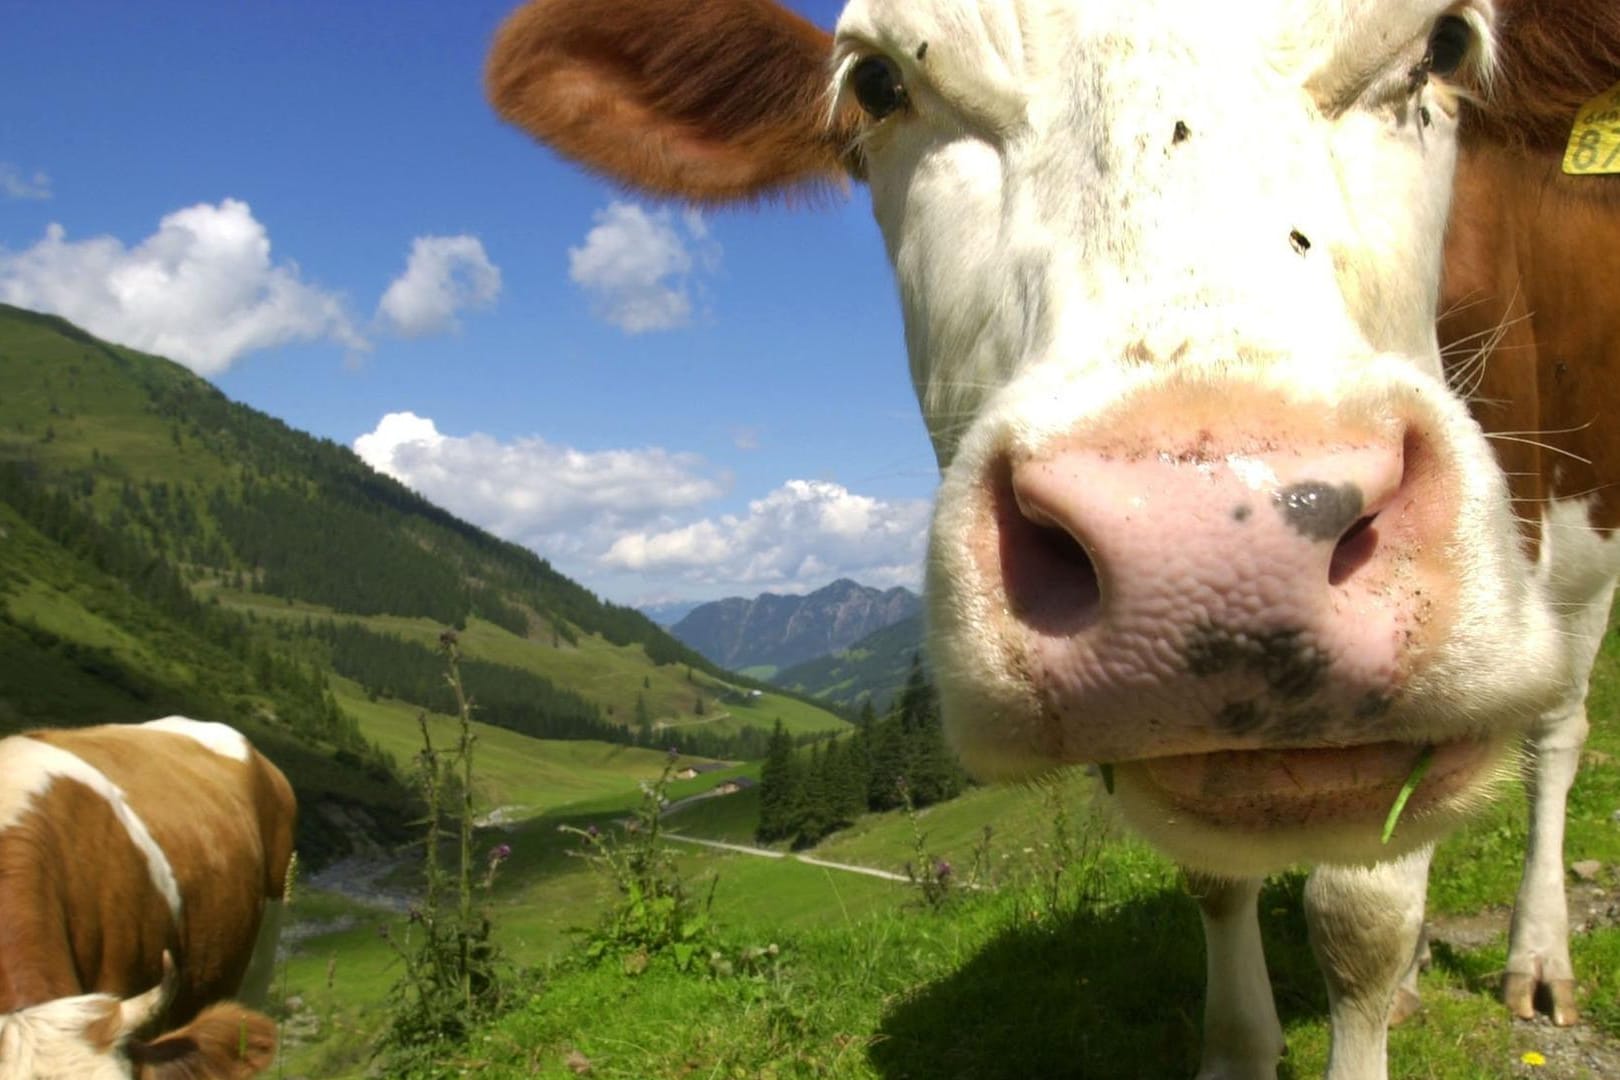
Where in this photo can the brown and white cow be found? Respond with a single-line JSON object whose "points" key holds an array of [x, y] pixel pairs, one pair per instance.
{"points": [[141, 873], [1211, 513]]}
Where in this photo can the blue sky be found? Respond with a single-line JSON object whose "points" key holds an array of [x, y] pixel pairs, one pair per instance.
{"points": [[312, 205]]}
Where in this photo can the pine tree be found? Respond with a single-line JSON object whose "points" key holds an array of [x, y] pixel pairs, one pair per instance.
{"points": [[643, 722], [857, 774], [812, 816], [931, 768], [776, 784], [889, 762]]}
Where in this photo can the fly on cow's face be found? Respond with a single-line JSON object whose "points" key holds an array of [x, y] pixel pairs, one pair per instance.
{"points": [[1418, 77]]}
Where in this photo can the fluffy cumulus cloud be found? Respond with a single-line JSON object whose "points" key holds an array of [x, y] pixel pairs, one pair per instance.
{"points": [[639, 267], [202, 289], [16, 184], [444, 275], [635, 514], [801, 534], [564, 502]]}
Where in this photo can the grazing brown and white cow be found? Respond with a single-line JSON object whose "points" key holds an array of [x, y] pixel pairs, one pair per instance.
{"points": [[1211, 514], [122, 847]]}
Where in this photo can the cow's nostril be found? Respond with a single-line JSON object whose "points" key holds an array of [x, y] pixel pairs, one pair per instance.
{"points": [[1354, 550], [1051, 582]]}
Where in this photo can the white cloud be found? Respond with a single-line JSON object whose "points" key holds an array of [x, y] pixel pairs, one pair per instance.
{"points": [[618, 514], [556, 499], [801, 534], [638, 266], [15, 184], [444, 275], [201, 290]]}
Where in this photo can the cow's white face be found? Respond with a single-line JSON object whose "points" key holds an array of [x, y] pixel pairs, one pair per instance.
{"points": [[82, 1038], [1209, 513]]}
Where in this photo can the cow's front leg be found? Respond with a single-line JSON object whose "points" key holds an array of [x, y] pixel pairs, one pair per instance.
{"points": [[1364, 925], [1242, 1037], [1538, 966], [1538, 943]]}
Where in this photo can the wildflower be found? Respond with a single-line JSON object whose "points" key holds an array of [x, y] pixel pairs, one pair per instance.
{"points": [[499, 854], [414, 914], [942, 870], [593, 830], [1533, 1058]]}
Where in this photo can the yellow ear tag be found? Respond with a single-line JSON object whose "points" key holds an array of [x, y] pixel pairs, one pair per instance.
{"points": [[1594, 144]]}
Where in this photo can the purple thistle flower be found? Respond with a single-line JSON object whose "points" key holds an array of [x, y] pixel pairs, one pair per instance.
{"points": [[593, 830], [942, 870], [501, 853]]}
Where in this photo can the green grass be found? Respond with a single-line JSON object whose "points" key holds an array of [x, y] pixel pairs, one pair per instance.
{"points": [[513, 770], [731, 818]]}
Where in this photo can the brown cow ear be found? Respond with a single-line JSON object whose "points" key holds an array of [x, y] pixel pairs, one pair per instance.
{"points": [[225, 1042], [712, 102]]}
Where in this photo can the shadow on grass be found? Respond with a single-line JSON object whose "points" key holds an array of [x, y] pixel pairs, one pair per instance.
{"points": [[1116, 993]]}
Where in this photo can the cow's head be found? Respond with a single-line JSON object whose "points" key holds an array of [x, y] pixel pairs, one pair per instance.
{"points": [[93, 1037], [1209, 513]]}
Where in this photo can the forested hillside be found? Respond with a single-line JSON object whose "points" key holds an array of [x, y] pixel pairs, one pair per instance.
{"points": [[163, 548], [870, 671]]}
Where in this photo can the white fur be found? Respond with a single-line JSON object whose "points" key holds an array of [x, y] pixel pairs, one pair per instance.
{"points": [[47, 1042], [31, 767], [221, 739]]}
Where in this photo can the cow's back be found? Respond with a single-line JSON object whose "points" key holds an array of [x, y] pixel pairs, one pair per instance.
{"points": [[129, 840]]}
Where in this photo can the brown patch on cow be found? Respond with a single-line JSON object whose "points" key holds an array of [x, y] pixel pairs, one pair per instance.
{"points": [[225, 1042], [717, 101], [1530, 260], [82, 914], [1553, 57]]}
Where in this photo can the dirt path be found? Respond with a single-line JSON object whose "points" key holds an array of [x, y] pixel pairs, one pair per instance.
{"points": [[767, 853]]}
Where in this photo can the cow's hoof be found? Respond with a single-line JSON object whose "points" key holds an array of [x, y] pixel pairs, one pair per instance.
{"points": [[1523, 993], [1406, 1006]]}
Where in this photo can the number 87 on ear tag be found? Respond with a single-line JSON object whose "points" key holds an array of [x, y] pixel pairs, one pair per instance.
{"points": [[1594, 144]]}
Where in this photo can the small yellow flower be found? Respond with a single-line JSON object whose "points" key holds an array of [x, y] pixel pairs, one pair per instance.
{"points": [[1533, 1057]]}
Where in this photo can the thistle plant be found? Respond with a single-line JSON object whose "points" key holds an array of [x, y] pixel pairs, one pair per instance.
{"points": [[454, 976], [654, 914]]}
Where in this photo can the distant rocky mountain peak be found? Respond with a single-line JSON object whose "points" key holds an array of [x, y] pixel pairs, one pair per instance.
{"points": [[778, 631]]}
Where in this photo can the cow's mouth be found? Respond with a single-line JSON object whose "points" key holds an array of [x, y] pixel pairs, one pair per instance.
{"points": [[1351, 785]]}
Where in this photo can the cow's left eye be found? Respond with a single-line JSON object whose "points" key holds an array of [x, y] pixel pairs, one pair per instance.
{"points": [[1450, 42], [877, 86]]}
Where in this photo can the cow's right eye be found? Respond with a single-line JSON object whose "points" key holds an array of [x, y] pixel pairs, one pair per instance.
{"points": [[877, 86]]}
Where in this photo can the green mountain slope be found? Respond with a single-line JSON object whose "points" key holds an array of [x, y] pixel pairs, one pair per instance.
{"points": [[165, 548], [873, 669]]}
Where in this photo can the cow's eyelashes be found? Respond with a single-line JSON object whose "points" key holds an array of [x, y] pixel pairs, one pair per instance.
{"points": [[877, 85], [1450, 42]]}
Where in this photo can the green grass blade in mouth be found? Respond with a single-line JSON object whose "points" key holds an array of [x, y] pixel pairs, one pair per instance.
{"points": [[1412, 781], [1106, 769]]}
